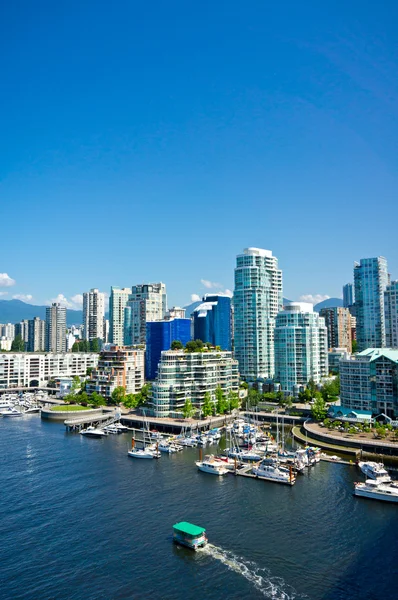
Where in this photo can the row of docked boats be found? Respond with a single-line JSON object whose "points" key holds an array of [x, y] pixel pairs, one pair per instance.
{"points": [[99, 432], [18, 405]]}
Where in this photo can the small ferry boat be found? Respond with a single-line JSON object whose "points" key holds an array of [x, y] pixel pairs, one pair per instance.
{"points": [[377, 490], [374, 470], [189, 535], [210, 465]]}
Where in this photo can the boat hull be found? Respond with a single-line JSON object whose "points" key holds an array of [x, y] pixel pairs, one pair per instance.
{"points": [[375, 496]]}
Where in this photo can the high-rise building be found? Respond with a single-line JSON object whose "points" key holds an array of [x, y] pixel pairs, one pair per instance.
{"points": [[117, 303], [22, 329], [147, 302], [338, 324], [106, 331], [370, 279], [369, 381], [257, 301], [93, 314], [183, 375], [391, 314], [55, 328], [175, 312], [300, 346], [8, 331], [117, 367], [212, 321], [159, 336], [36, 335], [348, 295]]}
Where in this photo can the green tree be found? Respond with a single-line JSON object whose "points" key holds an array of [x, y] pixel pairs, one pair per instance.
{"points": [[233, 400], [95, 345], [118, 394], [76, 386], [18, 345], [130, 400], [354, 346], [194, 346], [244, 385], [176, 345], [319, 409], [75, 347], [253, 397], [312, 386], [188, 409], [89, 371], [97, 400], [82, 399], [207, 406], [221, 403]]}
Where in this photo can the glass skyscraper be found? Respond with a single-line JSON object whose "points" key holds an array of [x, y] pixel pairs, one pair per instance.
{"points": [[370, 280], [348, 295], [159, 335], [300, 346], [212, 321], [257, 301]]}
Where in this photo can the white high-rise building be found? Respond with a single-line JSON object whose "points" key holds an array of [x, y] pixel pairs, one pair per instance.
{"points": [[147, 302], [301, 346], [391, 314], [257, 301], [8, 331], [56, 328], [93, 314], [117, 303]]}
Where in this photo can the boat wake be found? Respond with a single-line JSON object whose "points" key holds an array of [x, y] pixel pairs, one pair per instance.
{"points": [[270, 587]]}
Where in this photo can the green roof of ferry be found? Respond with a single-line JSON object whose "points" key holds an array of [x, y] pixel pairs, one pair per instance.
{"points": [[189, 528]]}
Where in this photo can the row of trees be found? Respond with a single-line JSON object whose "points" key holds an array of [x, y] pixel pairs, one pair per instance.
{"points": [[87, 346], [192, 346], [223, 404]]}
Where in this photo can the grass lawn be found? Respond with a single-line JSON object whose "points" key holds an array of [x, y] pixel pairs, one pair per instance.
{"points": [[69, 407]]}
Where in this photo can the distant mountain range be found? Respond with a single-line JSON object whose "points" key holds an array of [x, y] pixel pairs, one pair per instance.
{"points": [[14, 311]]}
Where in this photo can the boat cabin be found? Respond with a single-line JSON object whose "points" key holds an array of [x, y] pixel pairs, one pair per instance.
{"points": [[189, 535]]}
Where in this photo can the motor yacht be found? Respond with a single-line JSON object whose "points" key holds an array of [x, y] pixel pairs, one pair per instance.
{"points": [[377, 490], [273, 472], [12, 412], [374, 470], [210, 465], [95, 432]]}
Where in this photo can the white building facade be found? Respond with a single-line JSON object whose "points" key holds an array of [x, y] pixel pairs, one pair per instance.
{"points": [[257, 301], [147, 302], [55, 328], [301, 348], [93, 315], [189, 375], [117, 303], [36, 335], [26, 369]]}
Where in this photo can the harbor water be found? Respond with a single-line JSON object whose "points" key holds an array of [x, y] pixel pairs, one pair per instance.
{"points": [[81, 520]]}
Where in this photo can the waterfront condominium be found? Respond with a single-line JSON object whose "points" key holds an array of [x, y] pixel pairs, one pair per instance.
{"points": [[369, 381], [93, 315], [55, 340], [159, 336], [257, 301], [338, 324], [212, 321], [189, 375], [117, 303], [370, 279], [391, 314], [300, 346], [117, 367], [147, 302]]}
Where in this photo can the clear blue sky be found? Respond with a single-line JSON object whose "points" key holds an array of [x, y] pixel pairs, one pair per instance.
{"points": [[148, 141]]}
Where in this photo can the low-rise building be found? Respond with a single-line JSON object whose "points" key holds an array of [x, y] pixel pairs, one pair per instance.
{"points": [[369, 381], [118, 367], [189, 375], [27, 369]]}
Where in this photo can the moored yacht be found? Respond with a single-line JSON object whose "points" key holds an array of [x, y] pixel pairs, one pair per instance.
{"points": [[377, 490], [12, 412], [95, 432], [374, 470], [210, 465], [272, 472]]}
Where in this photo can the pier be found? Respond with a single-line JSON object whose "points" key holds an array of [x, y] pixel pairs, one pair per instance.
{"points": [[169, 425], [98, 420]]}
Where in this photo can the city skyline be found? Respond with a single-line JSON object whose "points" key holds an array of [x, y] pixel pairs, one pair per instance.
{"points": [[279, 134]]}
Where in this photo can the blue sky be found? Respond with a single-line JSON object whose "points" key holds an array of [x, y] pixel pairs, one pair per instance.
{"points": [[154, 141]]}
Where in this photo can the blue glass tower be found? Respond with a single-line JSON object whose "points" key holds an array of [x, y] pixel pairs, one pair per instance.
{"points": [[159, 335], [212, 321]]}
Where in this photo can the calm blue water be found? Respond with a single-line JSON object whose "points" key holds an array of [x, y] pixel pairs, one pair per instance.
{"points": [[82, 520]]}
